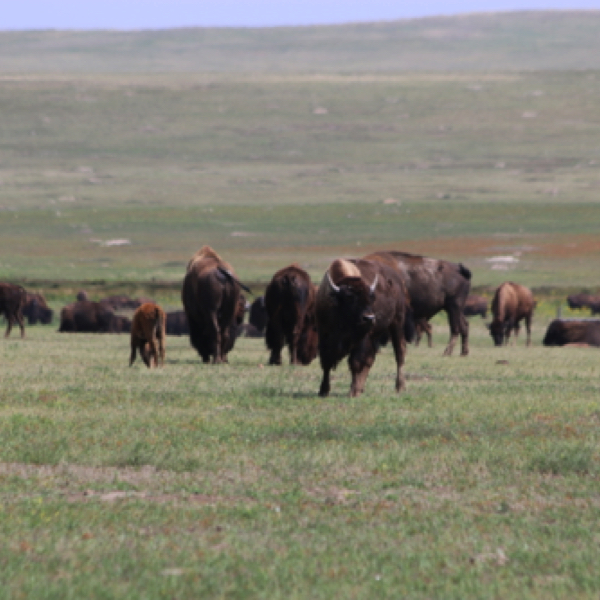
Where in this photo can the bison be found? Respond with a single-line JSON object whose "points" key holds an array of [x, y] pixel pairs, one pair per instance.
{"points": [[563, 332], [210, 295], [511, 304], [476, 305], [36, 310], [176, 323], [123, 302], [361, 305], [433, 285], [148, 334], [86, 316], [290, 307], [258, 315], [12, 302], [578, 301]]}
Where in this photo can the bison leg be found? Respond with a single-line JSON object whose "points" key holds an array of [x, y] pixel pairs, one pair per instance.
{"points": [[152, 352], [399, 344], [360, 362], [19, 318], [325, 383], [133, 351], [458, 326], [274, 341], [528, 327]]}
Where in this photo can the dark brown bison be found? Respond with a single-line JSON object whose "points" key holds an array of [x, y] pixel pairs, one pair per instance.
{"points": [[476, 305], [564, 332], [12, 302], [148, 334], [578, 301], [434, 285], [36, 310], [82, 295], [87, 316], [290, 307], [237, 326], [210, 295], [258, 315], [177, 323], [360, 306], [511, 304], [422, 326]]}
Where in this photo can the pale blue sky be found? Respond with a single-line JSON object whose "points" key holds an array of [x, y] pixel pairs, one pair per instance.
{"points": [[159, 14]]}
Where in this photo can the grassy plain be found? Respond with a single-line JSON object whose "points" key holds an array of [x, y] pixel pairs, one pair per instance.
{"points": [[461, 138], [239, 482], [273, 169]]}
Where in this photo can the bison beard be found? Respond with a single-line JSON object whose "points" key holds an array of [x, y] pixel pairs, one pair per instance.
{"points": [[358, 314]]}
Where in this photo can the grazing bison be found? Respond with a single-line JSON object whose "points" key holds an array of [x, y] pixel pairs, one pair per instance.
{"points": [[578, 301], [564, 332], [36, 310], [290, 307], [148, 334], [177, 323], [87, 316], [434, 285], [476, 305], [210, 295], [511, 304], [12, 302], [258, 315], [360, 306], [423, 326]]}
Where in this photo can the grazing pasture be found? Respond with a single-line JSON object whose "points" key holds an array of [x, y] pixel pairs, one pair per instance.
{"points": [[239, 481]]}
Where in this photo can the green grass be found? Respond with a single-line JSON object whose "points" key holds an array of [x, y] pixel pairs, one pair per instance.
{"points": [[238, 481]]}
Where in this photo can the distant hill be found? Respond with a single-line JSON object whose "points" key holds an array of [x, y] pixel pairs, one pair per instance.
{"points": [[516, 41]]}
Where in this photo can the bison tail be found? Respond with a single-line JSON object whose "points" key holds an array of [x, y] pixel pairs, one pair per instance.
{"points": [[410, 327], [464, 271]]}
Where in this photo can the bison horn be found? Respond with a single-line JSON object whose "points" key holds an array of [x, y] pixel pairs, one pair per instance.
{"points": [[374, 284], [334, 287]]}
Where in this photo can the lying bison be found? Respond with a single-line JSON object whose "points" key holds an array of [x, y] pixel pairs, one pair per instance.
{"points": [[12, 302], [148, 334], [578, 301], [476, 305], [433, 285], [291, 321], [360, 306], [211, 299], [177, 323], [562, 332], [86, 316], [36, 310], [512, 303]]}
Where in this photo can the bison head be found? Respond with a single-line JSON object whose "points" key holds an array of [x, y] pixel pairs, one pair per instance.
{"points": [[497, 331], [354, 300]]}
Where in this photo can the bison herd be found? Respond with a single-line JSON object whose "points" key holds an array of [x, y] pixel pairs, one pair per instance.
{"points": [[360, 305]]}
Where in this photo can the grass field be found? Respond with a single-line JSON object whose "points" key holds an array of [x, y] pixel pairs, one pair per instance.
{"points": [[239, 482], [465, 139]]}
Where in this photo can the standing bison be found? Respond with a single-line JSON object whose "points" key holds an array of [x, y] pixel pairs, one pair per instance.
{"points": [[148, 334], [511, 304], [12, 302], [433, 285], [291, 321], [360, 306], [210, 295]]}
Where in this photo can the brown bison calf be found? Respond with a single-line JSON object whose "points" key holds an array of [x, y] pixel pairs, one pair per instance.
{"points": [[148, 334]]}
